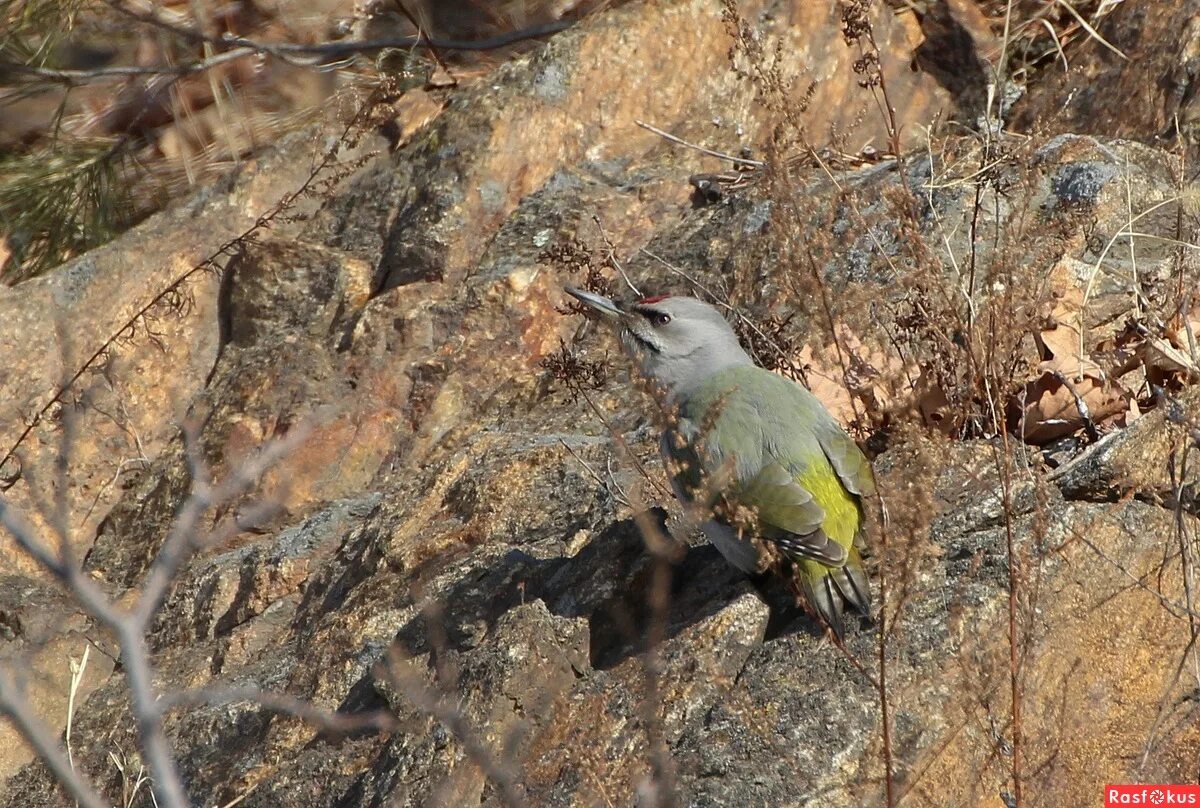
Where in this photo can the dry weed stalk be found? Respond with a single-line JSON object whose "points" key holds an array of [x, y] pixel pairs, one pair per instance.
{"points": [[970, 319], [130, 625], [175, 299], [439, 703], [189, 95]]}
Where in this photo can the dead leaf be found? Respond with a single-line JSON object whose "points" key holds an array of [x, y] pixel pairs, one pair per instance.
{"points": [[1186, 338], [441, 78], [935, 408], [1069, 395], [871, 376], [1135, 412], [1160, 355], [1061, 338]]}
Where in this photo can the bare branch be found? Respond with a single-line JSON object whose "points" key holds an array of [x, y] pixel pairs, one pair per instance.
{"points": [[83, 588], [15, 705], [130, 627], [135, 653], [434, 705], [328, 721], [182, 539], [288, 52], [350, 47], [73, 77]]}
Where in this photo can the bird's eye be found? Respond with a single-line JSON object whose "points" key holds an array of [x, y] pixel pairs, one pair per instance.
{"points": [[658, 318]]}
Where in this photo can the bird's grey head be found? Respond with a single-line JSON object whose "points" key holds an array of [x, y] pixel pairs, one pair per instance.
{"points": [[677, 341]]}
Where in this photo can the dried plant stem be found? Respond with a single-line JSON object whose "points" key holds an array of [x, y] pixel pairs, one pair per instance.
{"points": [[741, 161], [890, 119], [289, 52], [614, 490], [429, 46], [77, 672], [16, 706], [438, 707], [1178, 465], [659, 546], [1164, 699], [612, 256], [212, 263], [622, 446], [882, 629], [882, 651], [328, 721], [662, 767], [1014, 582]]}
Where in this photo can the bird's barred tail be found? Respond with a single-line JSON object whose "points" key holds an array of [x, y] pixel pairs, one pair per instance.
{"points": [[829, 589]]}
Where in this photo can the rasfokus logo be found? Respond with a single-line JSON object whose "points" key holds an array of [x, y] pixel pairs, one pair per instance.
{"points": [[1138, 794]]}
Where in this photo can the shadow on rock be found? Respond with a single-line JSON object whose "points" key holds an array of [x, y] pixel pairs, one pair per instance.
{"points": [[608, 583]]}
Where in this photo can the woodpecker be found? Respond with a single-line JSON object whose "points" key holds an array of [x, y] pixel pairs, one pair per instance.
{"points": [[778, 480]]}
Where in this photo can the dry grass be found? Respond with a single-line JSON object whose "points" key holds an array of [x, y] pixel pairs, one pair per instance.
{"points": [[936, 335], [958, 327]]}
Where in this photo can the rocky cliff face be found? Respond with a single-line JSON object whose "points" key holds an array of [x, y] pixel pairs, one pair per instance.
{"points": [[456, 510]]}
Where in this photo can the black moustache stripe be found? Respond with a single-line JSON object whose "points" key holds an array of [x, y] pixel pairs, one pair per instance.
{"points": [[645, 343]]}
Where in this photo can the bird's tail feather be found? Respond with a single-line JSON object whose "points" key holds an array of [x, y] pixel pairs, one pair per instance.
{"points": [[852, 585], [828, 590]]}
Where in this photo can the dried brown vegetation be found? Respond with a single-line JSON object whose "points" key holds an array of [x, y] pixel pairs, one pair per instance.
{"points": [[991, 337], [110, 110], [985, 329]]}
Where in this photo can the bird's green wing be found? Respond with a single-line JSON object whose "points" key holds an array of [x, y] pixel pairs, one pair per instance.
{"points": [[847, 459], [792, 497], [788, 514], [828, 568], [803, 489]]}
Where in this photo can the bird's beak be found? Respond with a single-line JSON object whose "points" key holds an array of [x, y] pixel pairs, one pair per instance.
{"points": [[597, 303]]}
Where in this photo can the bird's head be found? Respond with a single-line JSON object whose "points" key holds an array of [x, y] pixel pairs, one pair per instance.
{"points": [[678, 341]]}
